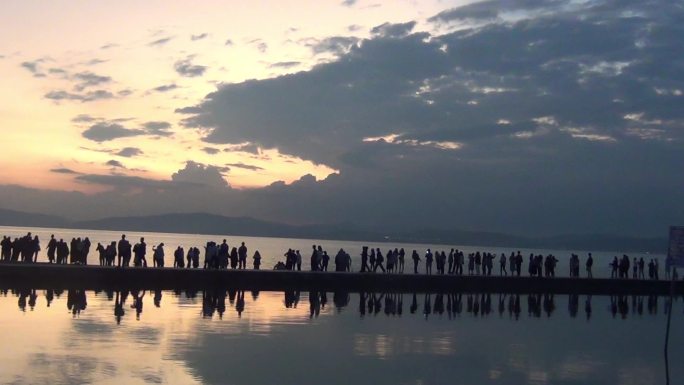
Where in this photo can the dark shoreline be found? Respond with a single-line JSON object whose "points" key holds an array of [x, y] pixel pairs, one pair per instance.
{"points": [[51, 276]]}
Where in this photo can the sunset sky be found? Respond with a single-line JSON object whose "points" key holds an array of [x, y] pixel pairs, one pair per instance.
{"points": [[526, 117], [70, 65]]}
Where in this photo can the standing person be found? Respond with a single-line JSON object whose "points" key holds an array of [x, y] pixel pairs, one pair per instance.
{"points": [[122, 249], [178, 255], [299, 260], [62, 252], [478, 262], [325, 259], [379, 261], [140, 250], [589, 264], [257, 260], [35, 248], [416, 260], [614, 268], [511, 263], [502, 265], [641, 267], [242, 256], [158, 255], [635, 269], [451, 261], [402, 254], [371, 259], [364, 259], [102, 253], [85, 251], [51, 247], [223, 255], [428, 262], [314, 259]]}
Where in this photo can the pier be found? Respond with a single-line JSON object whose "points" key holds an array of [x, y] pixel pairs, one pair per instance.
{"points": [[51, 276]]}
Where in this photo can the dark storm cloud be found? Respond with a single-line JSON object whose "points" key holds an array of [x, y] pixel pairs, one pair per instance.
{"points": [[165, 87], [105, 131], [129, 152], [285, 64], [186, 68], [159, 42], [538, 118], [198, 36]]}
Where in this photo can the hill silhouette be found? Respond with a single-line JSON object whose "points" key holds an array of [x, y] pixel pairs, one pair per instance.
{"points": [[202, 223]]}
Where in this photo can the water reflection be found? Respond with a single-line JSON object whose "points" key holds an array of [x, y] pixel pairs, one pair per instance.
{"points": [[370, 304]]}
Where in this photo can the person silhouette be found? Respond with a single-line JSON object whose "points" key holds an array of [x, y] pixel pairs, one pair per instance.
{"points": [[416, 260]]}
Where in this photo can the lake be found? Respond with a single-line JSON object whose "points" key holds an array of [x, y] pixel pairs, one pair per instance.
{"points": [[235, 337]]}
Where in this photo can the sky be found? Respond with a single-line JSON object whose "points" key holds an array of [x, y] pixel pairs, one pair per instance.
{"points": [[521, 116]]}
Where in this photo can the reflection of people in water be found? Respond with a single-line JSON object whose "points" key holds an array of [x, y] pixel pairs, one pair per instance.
{"points": [[587, 307], [119, 302], [240, 303], [76, 301], [137, 302]]}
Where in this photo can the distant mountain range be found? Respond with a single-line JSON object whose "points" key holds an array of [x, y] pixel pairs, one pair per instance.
{"points": [[201, 223]]}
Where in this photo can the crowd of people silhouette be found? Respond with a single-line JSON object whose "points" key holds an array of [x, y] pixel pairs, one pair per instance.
{"points": [[372, 260]]}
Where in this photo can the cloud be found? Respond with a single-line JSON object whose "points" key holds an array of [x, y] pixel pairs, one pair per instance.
{"points": [[186, 68], [114, 163], [245, 166], [90, 96], [63, 170], [393, 30], [109, 46], [159, 42], [33, 67], [83, 118], [228, 42], [105, 131], [550, 107], [492, 9], [129, 152], [197, 173], [211, 150], [199, 36], [157, 128], [285, 64], [348, 3], [260, 45], [94, 61], [336, 45], [88, 79], [165, 87]]}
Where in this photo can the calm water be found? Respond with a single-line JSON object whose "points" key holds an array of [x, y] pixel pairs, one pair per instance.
{"points": [[224, 337], [221, 337]]}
